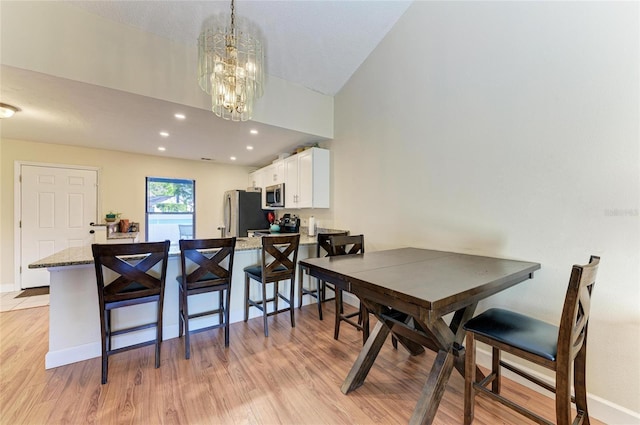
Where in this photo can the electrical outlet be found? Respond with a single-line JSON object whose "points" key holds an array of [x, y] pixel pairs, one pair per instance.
{"points": [[303, 221]]}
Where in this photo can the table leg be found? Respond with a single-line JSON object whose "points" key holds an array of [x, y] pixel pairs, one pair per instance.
{"points": [[433, 390], [367, 356], [413, 348]]}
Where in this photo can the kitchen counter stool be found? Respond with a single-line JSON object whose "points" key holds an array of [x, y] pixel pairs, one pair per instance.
{"points": [[213, 260], [186, 231], [279, 258], [132, 285], [319, 293], [349, 245]]}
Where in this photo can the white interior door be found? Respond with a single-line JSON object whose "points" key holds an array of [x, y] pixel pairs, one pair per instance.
{"points": [[56, 204]]}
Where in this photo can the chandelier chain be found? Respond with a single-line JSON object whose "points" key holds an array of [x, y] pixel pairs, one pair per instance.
{"points": [[233, 18]]}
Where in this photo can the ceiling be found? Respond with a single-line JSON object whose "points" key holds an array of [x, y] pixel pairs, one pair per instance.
{"points": [[316, 44]]}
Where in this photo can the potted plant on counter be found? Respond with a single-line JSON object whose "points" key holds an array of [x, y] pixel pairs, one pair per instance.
{"points": [[110, 217]]}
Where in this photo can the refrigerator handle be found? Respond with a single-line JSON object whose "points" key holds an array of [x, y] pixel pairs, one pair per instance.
{"points": [[227, 216]]}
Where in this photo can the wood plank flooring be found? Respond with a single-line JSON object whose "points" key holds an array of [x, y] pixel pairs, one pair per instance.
{"points": [[292, 377]]}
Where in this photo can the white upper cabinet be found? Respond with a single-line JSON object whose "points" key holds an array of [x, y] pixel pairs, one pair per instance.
{"points": [[256, 179], [274, 173], [307, 179], [291, 182]]}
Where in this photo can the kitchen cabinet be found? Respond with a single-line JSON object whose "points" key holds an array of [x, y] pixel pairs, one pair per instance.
{"points": [[291, 182], [307, 179], [274, 173], [256, 179]]}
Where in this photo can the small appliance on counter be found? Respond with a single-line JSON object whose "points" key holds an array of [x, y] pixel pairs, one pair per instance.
{"points": [[289, 224]]}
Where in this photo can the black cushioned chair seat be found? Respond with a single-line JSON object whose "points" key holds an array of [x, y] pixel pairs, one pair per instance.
{"points": [[208, 276], [257, 270], [132, 287], [523, 332]]}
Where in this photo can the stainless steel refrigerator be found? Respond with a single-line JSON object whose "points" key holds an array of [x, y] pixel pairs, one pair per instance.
{"points": [[242, 212]]}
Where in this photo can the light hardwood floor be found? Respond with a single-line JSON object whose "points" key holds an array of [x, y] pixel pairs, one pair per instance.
{"points": [[292, 377]]}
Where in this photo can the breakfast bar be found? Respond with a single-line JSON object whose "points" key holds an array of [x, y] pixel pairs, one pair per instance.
{"points": [[74, 323]]}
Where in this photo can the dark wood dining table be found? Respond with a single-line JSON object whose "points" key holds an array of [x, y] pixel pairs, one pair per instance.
{"points": [[410, 291]]}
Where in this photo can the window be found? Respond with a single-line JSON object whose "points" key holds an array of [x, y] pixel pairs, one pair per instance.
{"points": [[170, 209]]}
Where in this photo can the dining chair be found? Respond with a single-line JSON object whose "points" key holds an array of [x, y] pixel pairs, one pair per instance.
{"points": [[279, 259], [137, 274], [348, 245], [561, 349], [207, 266], [319, 292]]}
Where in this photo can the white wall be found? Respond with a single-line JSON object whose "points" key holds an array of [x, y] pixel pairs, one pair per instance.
{"points": [[122, 186], [507, 129]]}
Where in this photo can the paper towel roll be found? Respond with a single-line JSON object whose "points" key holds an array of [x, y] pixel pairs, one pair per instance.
{"points": [[312, 226]]}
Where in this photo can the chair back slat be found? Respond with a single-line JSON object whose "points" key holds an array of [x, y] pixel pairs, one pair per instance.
{"points": [[186, 231], [209, 257], [131, 263], [279, 257], [574, 321], [324, 244], [346, 245]]}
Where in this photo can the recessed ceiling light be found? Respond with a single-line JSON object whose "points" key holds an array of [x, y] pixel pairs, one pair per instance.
{"points": [[164, 134], [253, 131], [233, 158], [249, 148], [7, 111], [180, 116], [162, 148]]}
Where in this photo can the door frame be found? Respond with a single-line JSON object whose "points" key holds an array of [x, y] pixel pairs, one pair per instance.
{"points": [[17, 207]]}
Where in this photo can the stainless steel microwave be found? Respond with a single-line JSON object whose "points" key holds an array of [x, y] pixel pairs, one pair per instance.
{"points": [[274, 195]]}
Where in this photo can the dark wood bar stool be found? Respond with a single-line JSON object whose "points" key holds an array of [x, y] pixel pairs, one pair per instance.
{"points": [[348, 245], [319, 292], [561, 349], [279, 259], [213, 262], [133, 284]]}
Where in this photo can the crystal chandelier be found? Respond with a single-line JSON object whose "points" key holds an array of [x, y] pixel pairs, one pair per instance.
{"points": [[231, 70], [7, 111]]}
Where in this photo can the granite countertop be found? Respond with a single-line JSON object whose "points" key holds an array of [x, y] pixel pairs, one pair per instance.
{"points": [[82, 255], [118, 235]]}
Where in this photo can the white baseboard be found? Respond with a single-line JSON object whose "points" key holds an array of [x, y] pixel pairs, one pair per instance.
{"points": [[599, 408], [94, 349], [71, 355], [8, 287]]}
